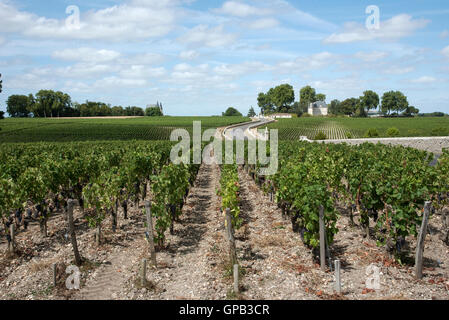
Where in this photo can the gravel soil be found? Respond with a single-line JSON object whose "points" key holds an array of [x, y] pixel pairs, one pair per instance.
{"points": [[193, 264], [285, 268]]}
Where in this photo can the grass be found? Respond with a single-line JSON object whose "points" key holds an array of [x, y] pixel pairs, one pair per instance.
{"points": [[343, 128], [62, 130]]}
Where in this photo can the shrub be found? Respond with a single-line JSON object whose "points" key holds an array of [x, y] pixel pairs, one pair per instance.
{"points": [[306, 115], [413, 133], [348, 135], [371, 133], [321, 136], [393, 132], [439, 132]]}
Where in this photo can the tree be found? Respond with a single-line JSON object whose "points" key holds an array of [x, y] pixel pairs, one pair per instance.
{"points": [[360, 111], [320, 97], [334, 107], [349, 106], [282, 97], [232, 112], [394, 101], [134, 112], [251, 113], [153, 112], [369, 100], [264, 102], [411, 111], [17, 106], [117, 111], [307, 95], [2, 113]]}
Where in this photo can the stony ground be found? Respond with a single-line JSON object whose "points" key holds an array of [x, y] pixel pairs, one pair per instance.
{"points": [[193, 264], [431, 144]]}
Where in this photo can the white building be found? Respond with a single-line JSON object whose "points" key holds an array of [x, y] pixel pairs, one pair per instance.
{"points": [[280, 116], [374, 114], [318, 108]]}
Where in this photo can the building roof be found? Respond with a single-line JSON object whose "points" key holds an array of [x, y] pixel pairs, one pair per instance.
{"points": [[319, 104]]}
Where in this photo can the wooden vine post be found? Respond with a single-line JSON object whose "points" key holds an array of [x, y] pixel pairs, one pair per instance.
{"points": [[322, 240], [143, 273], [54, 275], [421, 239], [150, 234], [114, 216], [230, 236], [71, 226], [12, 247]]}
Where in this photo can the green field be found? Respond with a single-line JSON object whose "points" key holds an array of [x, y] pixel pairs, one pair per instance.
{"points": [[62, 130], [343, 128]]}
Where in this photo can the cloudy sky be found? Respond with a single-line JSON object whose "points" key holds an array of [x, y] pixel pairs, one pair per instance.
{"points": [[201, 56]]}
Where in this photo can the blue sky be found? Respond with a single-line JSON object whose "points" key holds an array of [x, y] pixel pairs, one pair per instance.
{"points": [[200, 57]]}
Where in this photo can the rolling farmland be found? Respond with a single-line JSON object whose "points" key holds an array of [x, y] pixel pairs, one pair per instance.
{"points": [[343, 128], [66, 130]]}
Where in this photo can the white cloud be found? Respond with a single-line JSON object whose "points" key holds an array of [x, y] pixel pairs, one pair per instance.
{"points": [[241, 10], [137, 19], [143, 59], [371, 56], [2, 41], [234, 70], [189, 55], [263, 23], [86, 55], [395, 28], [202, 35], [306, 63], [444, 34], [397, 70], [445, 52], [424, 80], [142, 72], [116, 82]]}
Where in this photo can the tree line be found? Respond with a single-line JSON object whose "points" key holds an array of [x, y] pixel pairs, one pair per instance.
{"points": [[282, 99], [51, 104]]}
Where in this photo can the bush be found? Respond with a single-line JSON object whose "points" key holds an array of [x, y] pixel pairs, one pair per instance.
{"points": [[393, 132], [232, 112], [153, 112], [371, 133], [321, 136], [413, 133], [2, 115], [348, 135], [439, 132], [306, 115]]}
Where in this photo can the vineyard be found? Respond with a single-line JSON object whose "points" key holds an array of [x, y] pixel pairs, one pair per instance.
{"points": [[69, 130], [88, 203], [386, 187], [351, 128]]}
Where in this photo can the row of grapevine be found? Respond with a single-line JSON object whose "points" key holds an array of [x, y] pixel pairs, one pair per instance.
{"points": [[230, 191], [387, 184], [43, 177]]}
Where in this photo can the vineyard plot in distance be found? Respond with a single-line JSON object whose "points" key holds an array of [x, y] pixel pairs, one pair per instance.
{"points": [[67, 130], [348, 128]]}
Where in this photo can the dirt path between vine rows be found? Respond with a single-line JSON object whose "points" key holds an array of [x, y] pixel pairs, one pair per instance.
{"points": [[190, 265], [273, 257]]}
